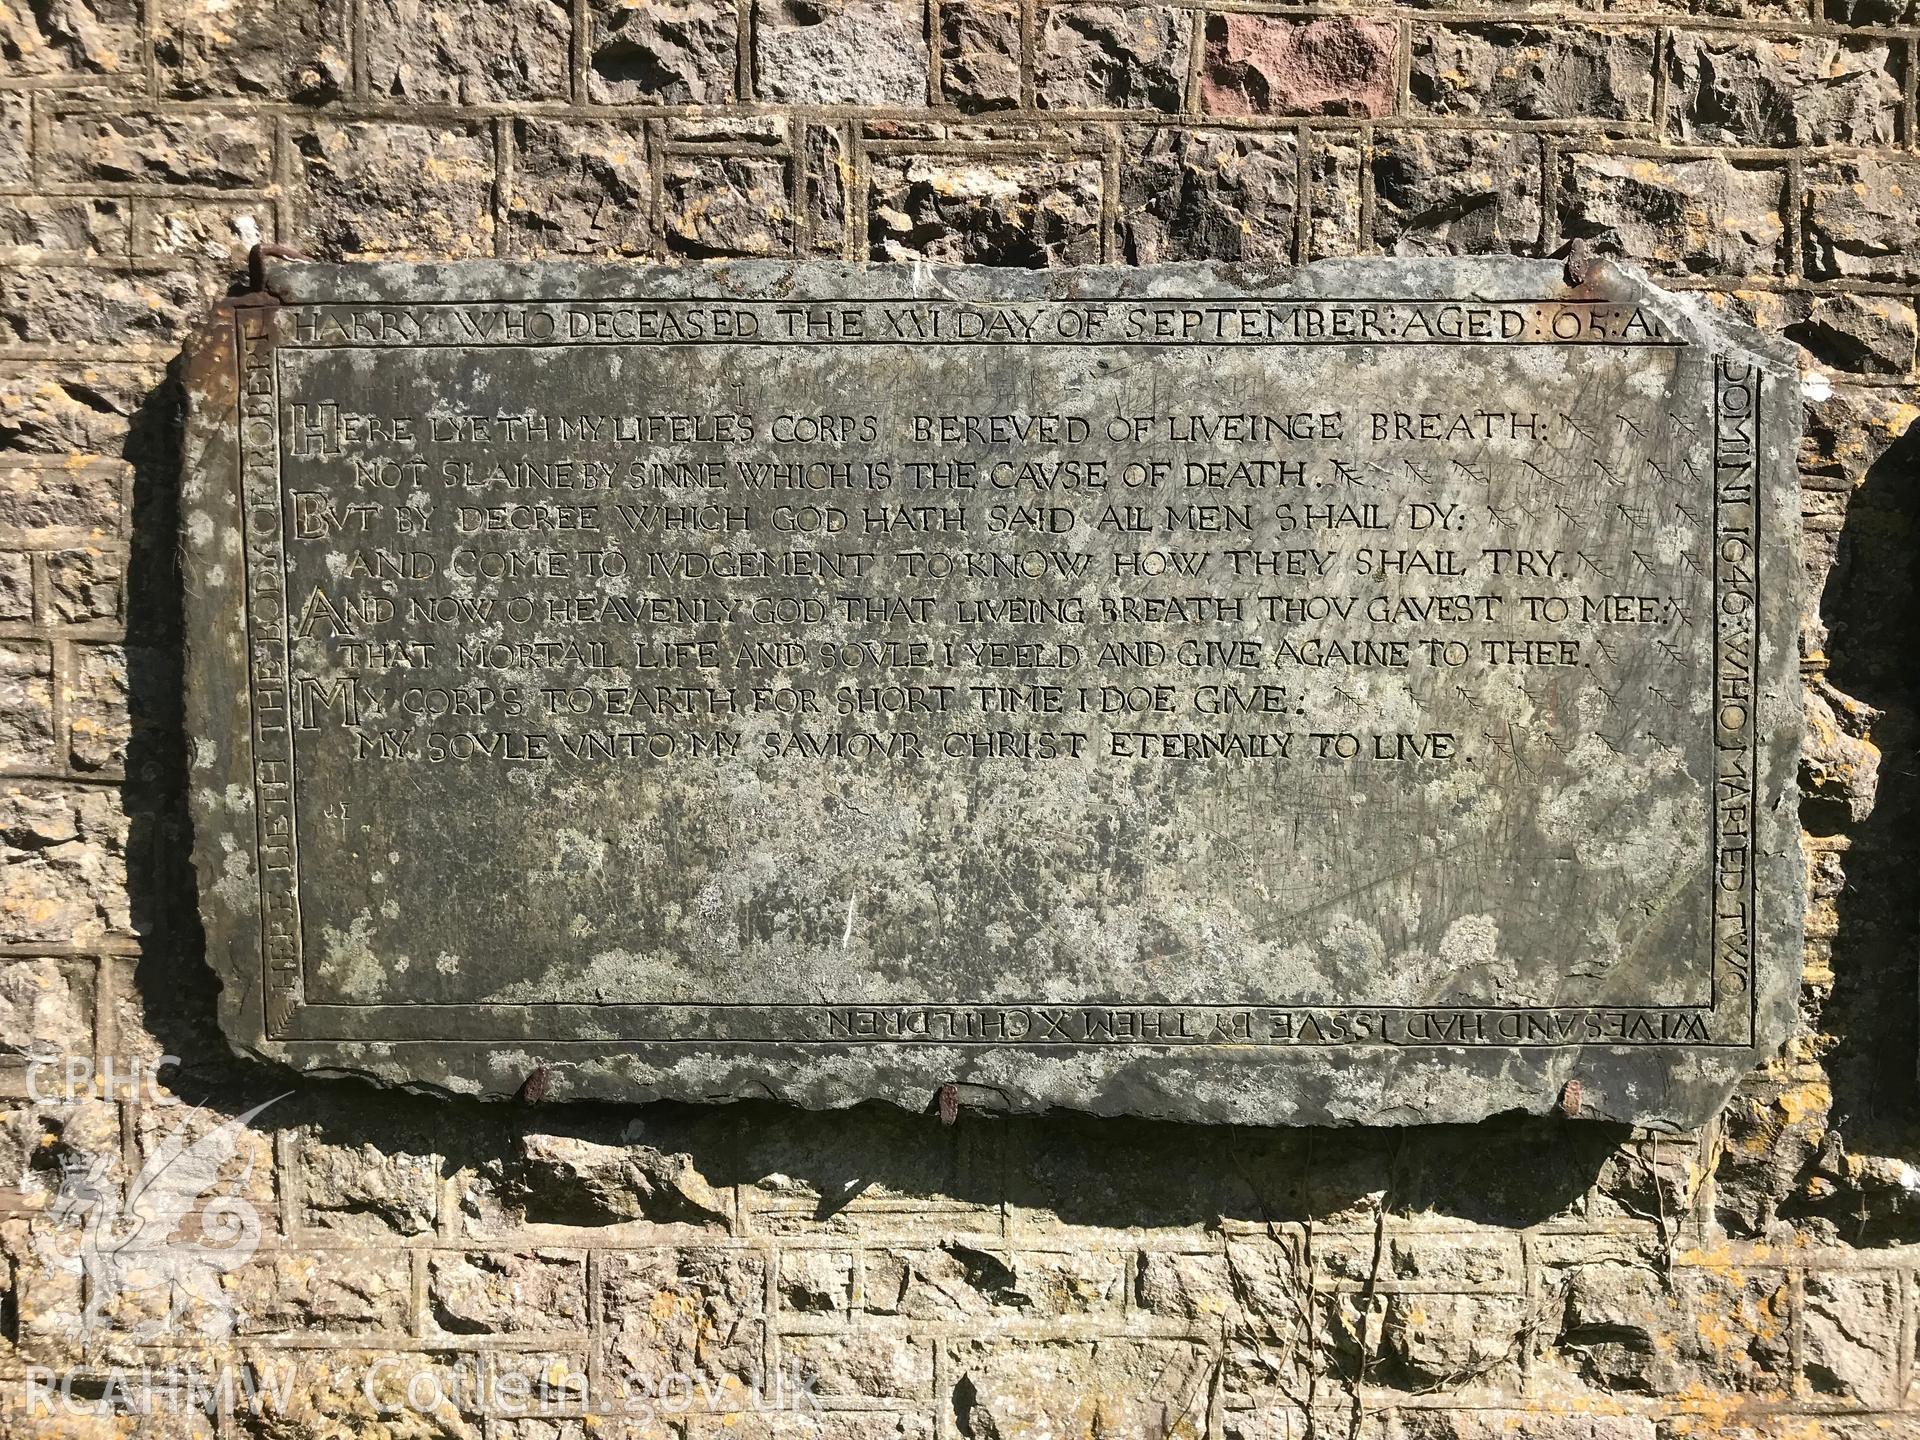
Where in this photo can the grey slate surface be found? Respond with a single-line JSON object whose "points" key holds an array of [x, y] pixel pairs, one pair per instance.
{"points": [[439, 844]]}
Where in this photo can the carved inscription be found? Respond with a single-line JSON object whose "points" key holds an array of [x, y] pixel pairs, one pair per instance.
{"points": [[1118, 669]]}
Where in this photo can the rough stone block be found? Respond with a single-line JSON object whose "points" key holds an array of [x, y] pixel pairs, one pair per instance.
{"points": [[1431, 1341], [496, 1293], [233, 1159], [888, 1424], [1533, 72], [77, 38], [827, 175], [562, 1427], [47, 1307], [580, 188], [362, 1391], [1544, 1418], [572, 1179], [1333, 197], [815, 1282], [985, 211], [77, 1126], [1730, 1330], [62, 865], [548, 1384], [1207, 194], [1650, 1177], [960, 1279], [1839, 766], [1850, 430], [21, 1135], [726, 205], [1859, 217], [65, 225], [1433, 1263], [220, 231], [367, 1191], [980, 54], [1269, 1292], [1264, 1417], [104, 682], [945, 1283], [1866, 334], [1775, 1125], [270, 49], [1112, 57], [1823, 514], [686, 1312], [1265, 1376], [1197, 1288], [43, 1005], [68, 408], [1269, 65], [96, 700], [26, 705], [769, 131], [45, 502], [1852, 1335], [1700, 217], [1072, 1387], [1612, 1314], [15, 126], [864, 1365], [1443, 192], [226, 151], [16, 585], [679, 53], [373, 188], [43, 307], [1417, 1263], [1711, 1330], [468, 54], [1070, 1282], [840, 52], [1754, 90]]}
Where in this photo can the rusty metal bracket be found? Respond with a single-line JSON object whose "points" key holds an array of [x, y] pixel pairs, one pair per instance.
{"points": [[1581, 262], [257, 264]]}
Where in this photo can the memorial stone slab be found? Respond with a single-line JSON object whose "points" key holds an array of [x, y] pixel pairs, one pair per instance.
{"points": [[1364, 693]]}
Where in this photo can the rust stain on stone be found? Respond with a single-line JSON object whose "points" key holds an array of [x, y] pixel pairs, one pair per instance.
{"points": [[1265, 65]]}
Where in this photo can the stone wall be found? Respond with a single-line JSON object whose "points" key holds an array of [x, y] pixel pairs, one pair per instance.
{"points": [[877, 1273]]}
